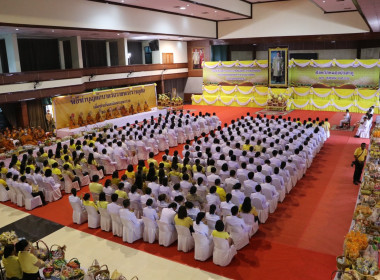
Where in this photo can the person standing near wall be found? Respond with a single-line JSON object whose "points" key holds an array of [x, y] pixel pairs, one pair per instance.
{"points": [[360, 156]]}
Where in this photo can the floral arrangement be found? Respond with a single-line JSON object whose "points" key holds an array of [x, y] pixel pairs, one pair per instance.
{"points": [[163, 97], [355, 242]]}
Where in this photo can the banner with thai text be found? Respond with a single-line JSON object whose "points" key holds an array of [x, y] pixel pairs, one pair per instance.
{"points": [[101, 101], [230, 73], [334, 76]]}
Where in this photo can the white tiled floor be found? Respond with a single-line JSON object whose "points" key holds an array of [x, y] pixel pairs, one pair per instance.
{"points": [[9, 215], [126, 260]]}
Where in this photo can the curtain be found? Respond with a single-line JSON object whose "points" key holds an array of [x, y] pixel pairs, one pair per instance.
{"points": [[3, 57], [38, 54], [36, 113], [94, 53], [10, 112]]}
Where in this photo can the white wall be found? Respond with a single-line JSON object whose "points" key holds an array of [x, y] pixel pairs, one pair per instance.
{"points": [[291, 18], [241, 55], [178, 48], [322, 54], [194, 85], [95, 15], [370, 53]]}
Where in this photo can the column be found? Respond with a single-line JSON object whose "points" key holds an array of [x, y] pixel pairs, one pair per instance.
{"points": [[24, 114], [108, 54], [122, 51], [61, 55], [12, 53], [1, 66], [76, 52]]}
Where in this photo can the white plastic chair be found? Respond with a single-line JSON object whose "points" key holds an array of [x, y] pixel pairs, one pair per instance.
{"points": [[150, 230], [84, 180], [3, 194], [94, 171], [19, 195], [185, 240], [249, 219], [109, 167], [12, 194], [121, 162], [203, 247], [238, 235], [262, 212], [70, 184], [223, 252], [131, 232], [272, 201], [276, 182], [79, 214], [211, 224], [142, 153], [167, 234], [30, 201], [136, 206], [105, 219], [52, 193], [117, 227], [93, 217], [172, 140]]}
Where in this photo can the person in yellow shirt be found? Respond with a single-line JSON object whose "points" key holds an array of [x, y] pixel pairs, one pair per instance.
{"points": [[88, 202], [45, 166], [3, 169], [11, 263], [102, 202], [95, 186], [360, 156], [175, 172], [55, 170], [68, 161], [246, 146], [247, 207], [120, 192], [258, 147], [129, 172], [220, 191], [29, 263], [115, 178], [220, 233], [4, 184], [166, 162], [181, 219], [151, 159]]}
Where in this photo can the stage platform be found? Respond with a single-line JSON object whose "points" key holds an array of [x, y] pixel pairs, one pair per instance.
{"points": [[119, 122]]}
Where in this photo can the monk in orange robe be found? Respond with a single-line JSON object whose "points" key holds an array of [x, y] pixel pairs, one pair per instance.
{"points": [[27, 139], [138, 109], [108, 114], [72, 123], [123, 111], [81, 120], [6, 144], [98, 116], [115, 113], [131, 110], [146, 107], [90, 119], [40, 134]]}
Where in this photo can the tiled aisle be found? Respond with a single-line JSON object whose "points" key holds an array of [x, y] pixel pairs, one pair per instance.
{"points": [[86, 247]]}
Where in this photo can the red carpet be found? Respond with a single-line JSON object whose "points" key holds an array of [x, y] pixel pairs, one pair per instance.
{"points": [[300, 240]]}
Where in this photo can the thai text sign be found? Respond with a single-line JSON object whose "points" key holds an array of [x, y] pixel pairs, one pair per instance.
{"points": [[65, 106]]}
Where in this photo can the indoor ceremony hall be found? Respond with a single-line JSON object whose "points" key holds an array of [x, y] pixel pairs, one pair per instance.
{"points": [[181, 139]]}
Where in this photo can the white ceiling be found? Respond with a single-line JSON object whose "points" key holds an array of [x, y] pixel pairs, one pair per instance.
{"points": [[330, 6], [188, 8]]}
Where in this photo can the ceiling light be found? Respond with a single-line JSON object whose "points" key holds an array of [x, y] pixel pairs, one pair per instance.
{"points": [[215, 11], [182, 8], [324, 1], [187, 5], [118, 34], [17, 29], [122, 1], [52, 30]]}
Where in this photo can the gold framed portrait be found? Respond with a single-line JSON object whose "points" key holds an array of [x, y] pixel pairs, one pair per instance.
{"points": [[198, 57], [278, 67]]}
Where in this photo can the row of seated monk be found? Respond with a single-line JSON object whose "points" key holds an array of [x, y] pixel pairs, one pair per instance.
{"points": [[114, 113], [26, 136]]}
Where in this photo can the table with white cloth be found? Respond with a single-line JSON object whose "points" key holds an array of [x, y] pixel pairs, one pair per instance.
{"points": [[119, 122]]}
